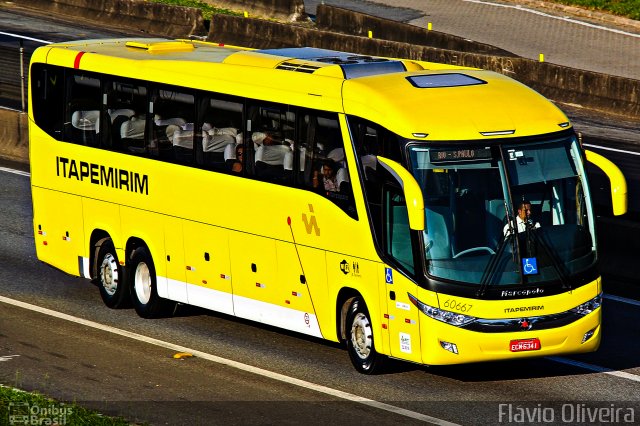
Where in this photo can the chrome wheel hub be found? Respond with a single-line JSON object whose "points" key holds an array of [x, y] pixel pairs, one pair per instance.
{"points": [[361, 335], [142, 283], [109, 274]]}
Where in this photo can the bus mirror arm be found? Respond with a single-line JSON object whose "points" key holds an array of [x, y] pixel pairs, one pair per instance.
{"points": [[616, 179], [411, 189]]}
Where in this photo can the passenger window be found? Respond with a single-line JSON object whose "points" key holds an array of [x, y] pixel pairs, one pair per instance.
{"points": [[82, 117], [270, 142], [126, 116], [322, 164], [48, 92], [397, 231], [172, 126], [370, 140], [219, 135]]}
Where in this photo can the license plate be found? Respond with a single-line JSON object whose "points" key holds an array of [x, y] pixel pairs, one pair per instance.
{"points": [[525, 345]]}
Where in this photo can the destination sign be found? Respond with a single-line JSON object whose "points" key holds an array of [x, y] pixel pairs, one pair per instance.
{"points": [[461, 154]]}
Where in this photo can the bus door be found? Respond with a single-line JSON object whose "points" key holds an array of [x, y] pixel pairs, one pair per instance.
{"points": [[403, 316], [208, 268]]}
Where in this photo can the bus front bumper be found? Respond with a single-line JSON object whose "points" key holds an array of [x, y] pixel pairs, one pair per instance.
{"points": [[446, 344]]}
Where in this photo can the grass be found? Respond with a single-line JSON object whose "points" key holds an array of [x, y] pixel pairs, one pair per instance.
{"points": [[207, 9], [627, 8], [15, 405]]}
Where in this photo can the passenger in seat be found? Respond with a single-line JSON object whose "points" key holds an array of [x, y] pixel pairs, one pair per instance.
{"points": [[236, 167], [329, 172], [524, 220]]}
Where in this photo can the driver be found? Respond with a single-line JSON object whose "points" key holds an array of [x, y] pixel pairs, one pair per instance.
{"points": [[523, 220]]}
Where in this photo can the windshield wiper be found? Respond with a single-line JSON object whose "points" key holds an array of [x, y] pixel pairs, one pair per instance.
{"points": [[557, 265], [490, 270], [493, 263]]}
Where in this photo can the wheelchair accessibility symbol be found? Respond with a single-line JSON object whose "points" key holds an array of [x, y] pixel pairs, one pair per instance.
{"points": [[388, 275], [529, 265]]}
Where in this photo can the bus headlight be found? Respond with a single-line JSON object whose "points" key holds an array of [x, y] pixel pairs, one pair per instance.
{"points": [[588, 306], [448, 317]]}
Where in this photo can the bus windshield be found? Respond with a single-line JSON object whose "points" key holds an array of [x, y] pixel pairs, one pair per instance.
{"points": [[508, 214]]}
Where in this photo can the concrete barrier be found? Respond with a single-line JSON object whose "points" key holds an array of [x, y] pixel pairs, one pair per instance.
{"points": [[14, 143], [340, 20], [147, 17], [287, 10], [601, 92]]}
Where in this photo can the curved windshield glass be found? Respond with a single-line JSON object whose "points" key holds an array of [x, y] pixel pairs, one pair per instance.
{"points": [[505, 215]]}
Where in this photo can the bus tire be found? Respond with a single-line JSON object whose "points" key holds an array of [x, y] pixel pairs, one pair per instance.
{"points": [[360, 344], [144, 290], [113, 283]]}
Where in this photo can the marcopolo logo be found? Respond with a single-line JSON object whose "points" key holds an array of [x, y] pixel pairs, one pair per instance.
{"points": [[522, 293], [24, 413]]}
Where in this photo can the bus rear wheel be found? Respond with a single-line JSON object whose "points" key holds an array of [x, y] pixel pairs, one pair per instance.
{"points": [[359, 335], [144, 290], [113, 282]]}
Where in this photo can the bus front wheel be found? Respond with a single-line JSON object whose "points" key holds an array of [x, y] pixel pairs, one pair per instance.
{"points": [[113, 282], [144, 290], [359, 335]]}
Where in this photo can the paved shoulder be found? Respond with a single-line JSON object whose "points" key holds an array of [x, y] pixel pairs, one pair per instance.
{"points": [[565, 40]]}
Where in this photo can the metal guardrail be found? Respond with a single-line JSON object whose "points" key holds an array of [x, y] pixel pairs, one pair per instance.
{"points": [[15, 55]]}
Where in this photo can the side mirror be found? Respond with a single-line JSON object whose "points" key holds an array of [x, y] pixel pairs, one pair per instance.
{"points": [[411, 189], [616, 179]]}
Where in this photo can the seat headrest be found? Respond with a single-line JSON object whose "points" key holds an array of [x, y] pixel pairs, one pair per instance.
{"points": [[183, 138], [342, 175], [113, 113], [369, 161], [337, 155], [85, 120], [171, 130], [169, 121], [230, 152], [133, 129], [272, 154], [287, 163]]}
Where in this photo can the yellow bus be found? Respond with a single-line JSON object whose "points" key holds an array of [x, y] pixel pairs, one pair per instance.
{"points": [[419, 211]]}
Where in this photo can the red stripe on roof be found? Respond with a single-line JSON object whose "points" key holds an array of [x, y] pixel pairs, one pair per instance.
{"points": [[76, 63]]}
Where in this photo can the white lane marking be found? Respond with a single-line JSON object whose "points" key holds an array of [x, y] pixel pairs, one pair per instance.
{"points": [[15, 172], [595, 368], [560, 18], [621, 299], [228, 362], [26, 37], [606, 148], [7, 357]]}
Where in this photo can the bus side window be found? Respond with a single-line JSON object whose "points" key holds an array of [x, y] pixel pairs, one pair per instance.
{"points": [[367, 143], [219, 132], [84, 103], [172, 125], [370, 140], [271, 142], [322, 165], [48, 91], [125, 118]]}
